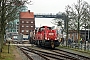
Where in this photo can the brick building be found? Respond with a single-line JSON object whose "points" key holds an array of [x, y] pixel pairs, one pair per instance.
{"points": [[26, 22], [73, 34]]}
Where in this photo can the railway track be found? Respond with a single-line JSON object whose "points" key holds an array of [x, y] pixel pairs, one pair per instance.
{"points": [[57, 54], [80, 57], [26, 50]]}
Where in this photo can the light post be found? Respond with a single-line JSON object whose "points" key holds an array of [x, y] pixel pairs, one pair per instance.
{"points": [[85, 37], [88, 31], [66, 29]]}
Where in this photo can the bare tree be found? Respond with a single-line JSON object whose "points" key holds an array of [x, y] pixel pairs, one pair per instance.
{"points": [[78, 15], [9, 10]]}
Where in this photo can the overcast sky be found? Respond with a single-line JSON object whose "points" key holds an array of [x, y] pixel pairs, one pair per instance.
{"points": [[49, 6]]}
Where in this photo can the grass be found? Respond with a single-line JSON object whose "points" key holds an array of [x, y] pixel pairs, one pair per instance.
{"points": [[5, 55], [75, 49]]}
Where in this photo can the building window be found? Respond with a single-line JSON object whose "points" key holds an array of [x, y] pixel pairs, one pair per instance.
{"points": [[17, 30], [22, 25], [22, 21], [27, 21], [17, 22], [27, 26], [31, 26], [27, 30], [22, 30], [31, 21]]}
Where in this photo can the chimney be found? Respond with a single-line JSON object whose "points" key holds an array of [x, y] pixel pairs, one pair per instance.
{"points": [[29, 11]]}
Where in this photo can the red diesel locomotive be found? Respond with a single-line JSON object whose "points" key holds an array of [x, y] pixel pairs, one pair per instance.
{"points": [[44, 36]]}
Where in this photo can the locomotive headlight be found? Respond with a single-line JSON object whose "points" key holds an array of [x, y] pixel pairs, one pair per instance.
{"points": [[48, 38], [55, 38]]}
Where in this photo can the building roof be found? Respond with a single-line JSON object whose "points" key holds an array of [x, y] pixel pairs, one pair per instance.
{"points": [[27, 14]]}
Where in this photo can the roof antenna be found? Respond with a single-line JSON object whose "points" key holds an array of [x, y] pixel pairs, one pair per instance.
{"points": [[29, 11]]}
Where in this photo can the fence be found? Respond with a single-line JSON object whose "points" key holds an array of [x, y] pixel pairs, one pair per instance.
{"points": [[77, 45]]}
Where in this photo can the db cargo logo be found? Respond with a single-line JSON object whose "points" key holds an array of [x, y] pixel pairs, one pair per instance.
{"points": [[51, 33]]}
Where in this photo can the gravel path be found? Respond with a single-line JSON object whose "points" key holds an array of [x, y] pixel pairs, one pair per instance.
{"points": [[16, 54]]}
